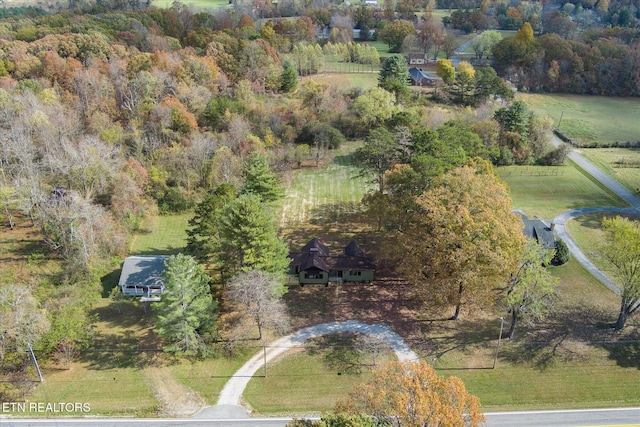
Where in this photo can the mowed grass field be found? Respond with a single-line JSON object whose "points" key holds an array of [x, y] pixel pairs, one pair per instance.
{"points": [[592, 119], [161, 235], [546, 191], [202, 4], [622, 164], [324, 195]]}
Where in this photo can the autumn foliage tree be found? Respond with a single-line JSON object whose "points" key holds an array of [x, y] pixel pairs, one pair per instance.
{"points": [[412, 394], [465, 241], [622, 251]]}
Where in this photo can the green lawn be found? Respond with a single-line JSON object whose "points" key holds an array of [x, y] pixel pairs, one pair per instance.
{"points": [[591, 119], [622, 164], [586, 231], [364, 81], [325, 194], [161, 235], [203, 4], [546, 191]]}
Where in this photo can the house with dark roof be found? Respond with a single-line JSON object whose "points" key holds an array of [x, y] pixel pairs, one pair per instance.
{"points": [[315, 265], [540, 231], [419, 77], [141, 276]]}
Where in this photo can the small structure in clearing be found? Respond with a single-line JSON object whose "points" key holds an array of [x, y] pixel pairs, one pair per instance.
{"points": [[540, 231], [142, 276], [419, 77], [314, 265]]}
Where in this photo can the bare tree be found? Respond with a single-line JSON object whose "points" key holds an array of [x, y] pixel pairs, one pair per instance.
{"points": [[22, 321], [257, 295]]}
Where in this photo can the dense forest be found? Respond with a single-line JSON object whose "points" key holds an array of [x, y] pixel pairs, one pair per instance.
{"points": [[112, 111]]}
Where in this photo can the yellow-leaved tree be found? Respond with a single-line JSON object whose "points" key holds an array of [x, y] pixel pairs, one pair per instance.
{"points": [[465, 241], [412, 394]]}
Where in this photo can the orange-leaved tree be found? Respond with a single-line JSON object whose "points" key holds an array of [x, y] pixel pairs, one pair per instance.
{"points": [[465, 241], [412, 394]]}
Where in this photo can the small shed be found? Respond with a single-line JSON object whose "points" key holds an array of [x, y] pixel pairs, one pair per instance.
{"points": [[419, 77], [142, 276]]}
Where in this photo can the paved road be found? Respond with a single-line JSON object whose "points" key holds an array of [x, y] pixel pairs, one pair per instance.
{"points": [[577, 418], [581, 418], [560, 220]]}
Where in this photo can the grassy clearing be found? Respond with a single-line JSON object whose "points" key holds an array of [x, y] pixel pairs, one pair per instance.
{"points": [[110, 375], [324, 195], [364, 81], [201, 4], [587, 232], [622, 164], [161, 235], [591, 119], [545, 191], [328, 364]]}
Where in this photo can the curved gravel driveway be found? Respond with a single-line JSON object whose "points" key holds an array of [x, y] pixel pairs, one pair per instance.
{"points": [[560, 220], [228, 405]]}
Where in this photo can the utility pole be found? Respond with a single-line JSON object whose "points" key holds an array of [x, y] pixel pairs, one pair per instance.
{"points": [[495, 358], [35, 362], [264, 353]]}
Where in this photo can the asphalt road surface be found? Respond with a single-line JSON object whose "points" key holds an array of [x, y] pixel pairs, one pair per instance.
{"points": [[575, 418]]}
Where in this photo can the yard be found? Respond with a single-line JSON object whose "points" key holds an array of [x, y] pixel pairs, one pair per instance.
{"points": [[591, 119], [546, 191], [622, 164]]}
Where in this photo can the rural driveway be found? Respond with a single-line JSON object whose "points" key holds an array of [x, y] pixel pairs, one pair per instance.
{"points": [[560, 220], [228, 405]]}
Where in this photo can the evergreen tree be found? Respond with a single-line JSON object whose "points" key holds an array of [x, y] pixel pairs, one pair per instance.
{"points": [[249, 240], [394, 76], [203, 238], [289, 78], [186, 310], [260, 179]]}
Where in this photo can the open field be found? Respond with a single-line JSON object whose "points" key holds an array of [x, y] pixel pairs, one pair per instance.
{"points": [[586, 231], [324, 195], [286, 389], [161, 235], [546, 191], [622, 164], [591, 119], [364, 81], [202, 4]]}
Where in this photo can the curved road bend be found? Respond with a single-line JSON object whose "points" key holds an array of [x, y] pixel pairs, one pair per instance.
{"points": [[561, 219], [229, 406]]}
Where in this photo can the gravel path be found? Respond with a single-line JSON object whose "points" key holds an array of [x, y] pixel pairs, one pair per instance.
{"points": [[231, 394], [560, 220]]}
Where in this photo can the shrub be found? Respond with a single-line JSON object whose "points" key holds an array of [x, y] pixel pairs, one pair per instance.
{"points": [[562, 253]]}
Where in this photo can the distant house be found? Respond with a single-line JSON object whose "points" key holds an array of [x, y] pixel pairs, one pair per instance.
{"points": [[540, 231], [416, 59], [371, 3], [141, 276], [315, 265], [419, 77]]}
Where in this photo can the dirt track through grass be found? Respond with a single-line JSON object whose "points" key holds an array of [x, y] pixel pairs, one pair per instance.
{"points": [[324, 194]]}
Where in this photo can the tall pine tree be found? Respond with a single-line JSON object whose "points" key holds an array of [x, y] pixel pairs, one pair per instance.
{"points": [[260, 179], [186, 310]]}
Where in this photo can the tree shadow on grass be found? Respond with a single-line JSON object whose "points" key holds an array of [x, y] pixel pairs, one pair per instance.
{"points": [[565, 335], [133, 344]]}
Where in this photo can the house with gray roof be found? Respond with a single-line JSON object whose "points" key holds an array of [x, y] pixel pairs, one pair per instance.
{"points": [[540, 231], [141, 276], [419, 77]]}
